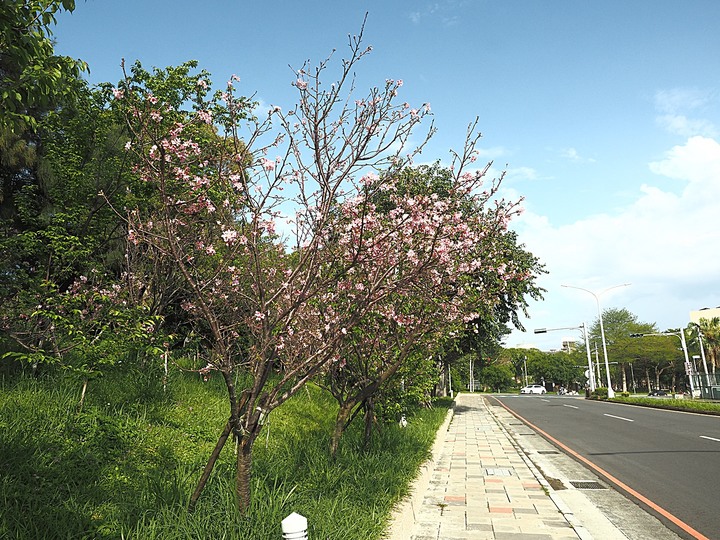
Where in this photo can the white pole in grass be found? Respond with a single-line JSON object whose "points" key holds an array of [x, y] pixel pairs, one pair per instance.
{"points": [[294, 527]]}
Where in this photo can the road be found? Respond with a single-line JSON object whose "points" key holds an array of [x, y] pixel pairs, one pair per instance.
{"points": [[670, 458]]}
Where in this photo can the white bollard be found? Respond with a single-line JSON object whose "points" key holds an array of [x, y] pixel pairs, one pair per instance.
{"points": [[294, 527]]}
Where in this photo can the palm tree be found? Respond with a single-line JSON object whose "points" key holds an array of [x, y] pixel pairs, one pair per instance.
{"points": [[710, 329]]}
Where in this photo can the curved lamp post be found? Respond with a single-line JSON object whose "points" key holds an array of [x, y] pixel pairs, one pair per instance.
{"points": [[611, 392]]}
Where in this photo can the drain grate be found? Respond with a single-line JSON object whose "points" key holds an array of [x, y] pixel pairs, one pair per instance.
{"points": [[586, 484], [499, 472], [548, 452]]}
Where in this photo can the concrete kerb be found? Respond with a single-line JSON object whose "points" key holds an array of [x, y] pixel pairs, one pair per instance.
{"points": [[406, 513]]}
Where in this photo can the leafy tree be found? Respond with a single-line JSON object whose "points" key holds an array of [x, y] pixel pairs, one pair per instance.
{"points": [[33, 79], [558, 368], [497, 376], [710, 330], [619, 325]]}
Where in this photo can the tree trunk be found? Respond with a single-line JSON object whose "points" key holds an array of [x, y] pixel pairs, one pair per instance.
{"points": [[369, 418], [209, 467], [624, 377], [340, 423], [243, 473]]}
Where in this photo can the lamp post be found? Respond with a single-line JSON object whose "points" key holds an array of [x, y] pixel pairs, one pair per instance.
{"points": [[702, 353], [583, 326], [611, 393]]}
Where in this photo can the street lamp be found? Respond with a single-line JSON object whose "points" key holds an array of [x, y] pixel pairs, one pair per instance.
{"points": [[611, 393], [583, 326]]}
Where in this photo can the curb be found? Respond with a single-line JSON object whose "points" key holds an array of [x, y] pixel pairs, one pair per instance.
{"points": [[404, 515]]}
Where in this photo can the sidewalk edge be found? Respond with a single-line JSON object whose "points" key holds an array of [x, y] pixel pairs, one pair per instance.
{"points": [[404, 515]]}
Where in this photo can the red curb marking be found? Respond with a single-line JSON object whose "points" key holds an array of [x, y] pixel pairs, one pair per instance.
{"points": [[660, 510]]}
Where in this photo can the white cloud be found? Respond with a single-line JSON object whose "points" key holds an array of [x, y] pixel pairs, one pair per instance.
{"points": [[665, 243], [573, 155], [686, 127], [680, 99], [673, 107]]}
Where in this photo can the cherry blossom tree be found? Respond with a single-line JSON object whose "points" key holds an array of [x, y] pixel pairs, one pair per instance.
{"points": [[429, 238], [271, 223]]}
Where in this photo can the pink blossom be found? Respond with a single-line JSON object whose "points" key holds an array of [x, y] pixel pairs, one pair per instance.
{"points": [[259, 316], [267, 164], [119, 94], [204, 116], [229, 236], [301, 84], [202, 84]]}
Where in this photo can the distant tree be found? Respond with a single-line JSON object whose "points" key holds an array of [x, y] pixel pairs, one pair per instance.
{"points": [[557, 368], [497, 376], [619, 324]]}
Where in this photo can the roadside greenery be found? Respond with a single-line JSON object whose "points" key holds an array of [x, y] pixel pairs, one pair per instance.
{"points": [[125, 465], [689, 405]]}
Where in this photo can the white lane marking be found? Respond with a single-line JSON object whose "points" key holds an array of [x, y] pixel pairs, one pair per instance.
{"points": [[545, 400], [619, 417], [571, 406], [709, 438]]}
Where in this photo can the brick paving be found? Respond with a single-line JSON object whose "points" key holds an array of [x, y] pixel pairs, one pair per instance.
{"points": [[482, 487]]}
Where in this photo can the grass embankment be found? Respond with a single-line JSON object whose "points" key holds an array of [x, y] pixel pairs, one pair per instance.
{"points": [[689, 405], [125, 466]]}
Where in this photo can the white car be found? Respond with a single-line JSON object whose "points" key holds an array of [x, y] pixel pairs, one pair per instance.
{"points": [[533, 389]]}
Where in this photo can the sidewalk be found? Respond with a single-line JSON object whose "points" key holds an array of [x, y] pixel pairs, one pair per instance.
{"points": [[479, 485]]}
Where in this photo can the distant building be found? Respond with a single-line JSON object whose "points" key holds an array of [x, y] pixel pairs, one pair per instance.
{"points": [[569, 344], [704, 313]]}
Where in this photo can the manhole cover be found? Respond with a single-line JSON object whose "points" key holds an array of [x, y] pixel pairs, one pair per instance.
{"points": [[586, 484]]}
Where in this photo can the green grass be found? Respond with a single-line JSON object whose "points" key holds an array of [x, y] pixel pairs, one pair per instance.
{"points": [[690, 405], [124, 466]]}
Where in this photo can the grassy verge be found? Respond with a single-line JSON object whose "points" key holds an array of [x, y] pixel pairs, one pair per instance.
{"points": [[125, 465], [690, 405]]}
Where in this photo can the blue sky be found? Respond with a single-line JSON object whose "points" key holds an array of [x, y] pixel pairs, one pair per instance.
{"points": [[606, 116]]}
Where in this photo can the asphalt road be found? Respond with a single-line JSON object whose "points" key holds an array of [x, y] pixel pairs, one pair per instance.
{"points": [[670, 458]]}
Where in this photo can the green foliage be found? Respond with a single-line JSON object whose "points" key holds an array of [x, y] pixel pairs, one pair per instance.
{"points": [[557, 367], [410, 388], [691, 405], [32, 77], [599, 393], [124, 467], [498, 377]]}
